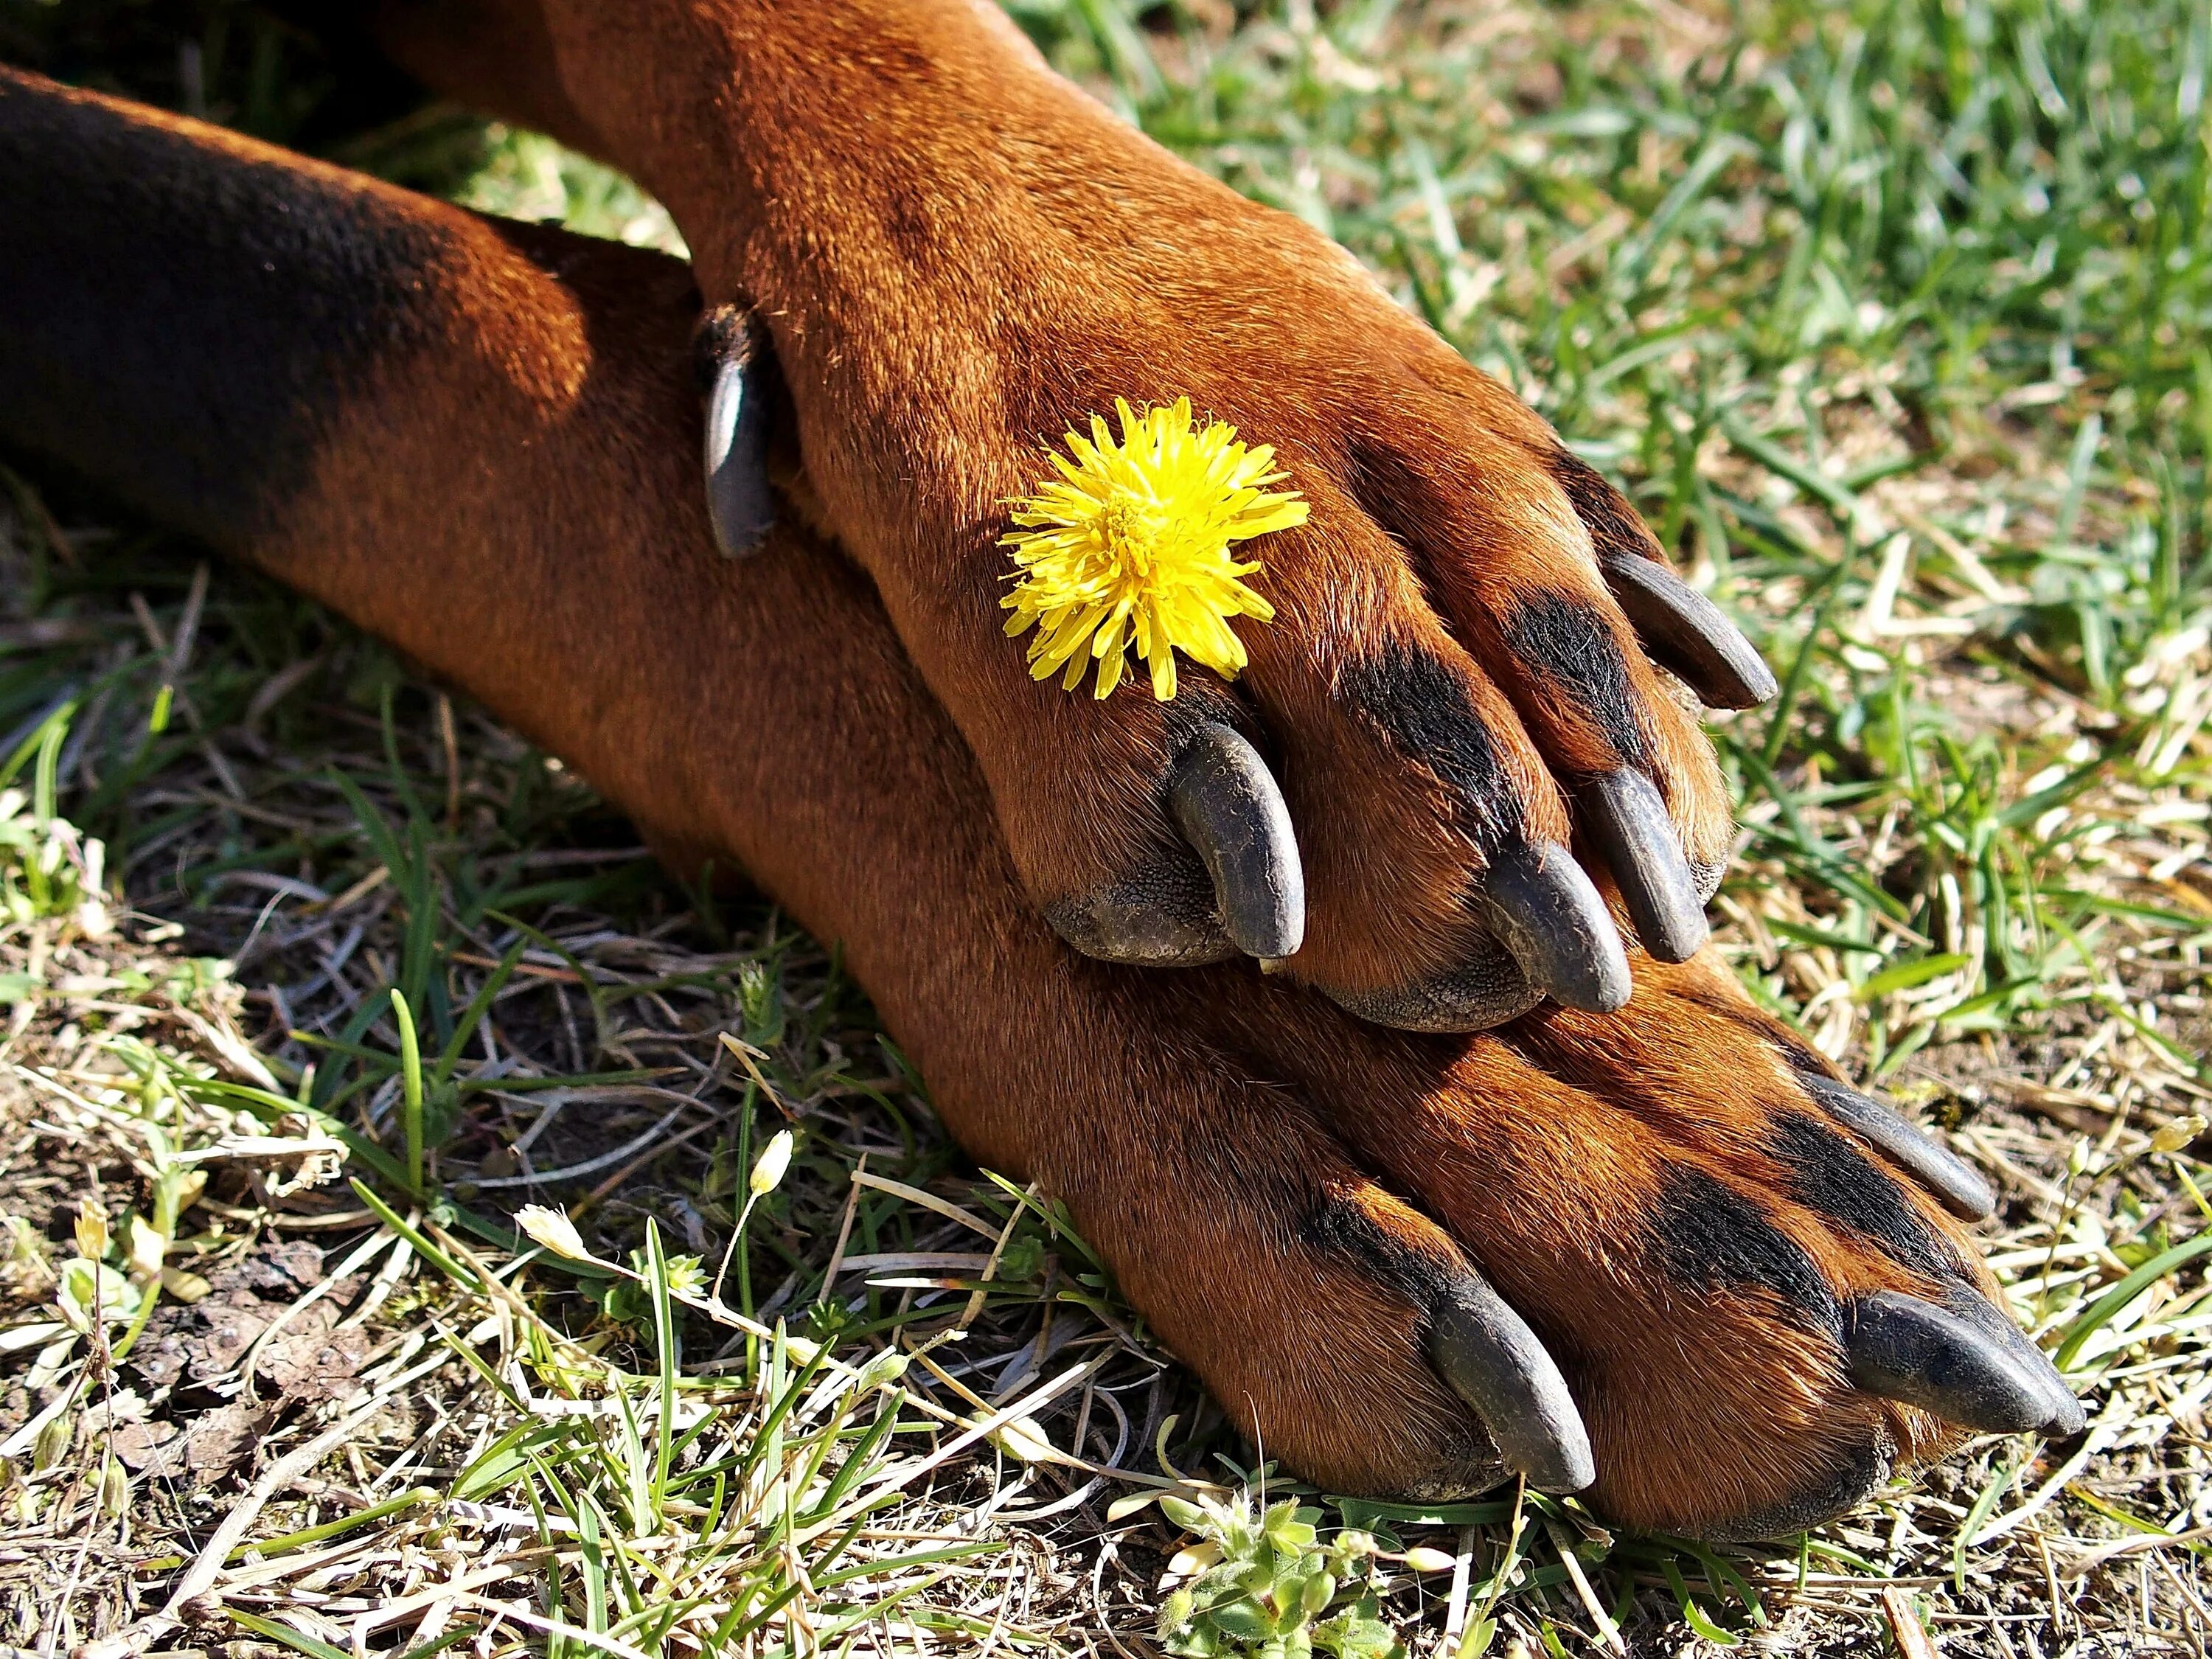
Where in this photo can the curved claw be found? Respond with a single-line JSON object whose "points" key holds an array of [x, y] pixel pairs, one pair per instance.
{"points": [[1905, 1349], [1629, 823], [1956, 1184], [1686, 633], [739, 501], [1558, 928], [1230, 808], [1489, 1358], [2068, 1417]]}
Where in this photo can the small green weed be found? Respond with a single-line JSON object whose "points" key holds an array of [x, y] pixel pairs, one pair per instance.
{"points": [[1268, 1586]]}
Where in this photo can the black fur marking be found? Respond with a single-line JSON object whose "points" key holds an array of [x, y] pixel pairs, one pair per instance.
{"points": [[177, 331], [726, 334], [1423, 712], [1614, 526], [1345, 1232], [1832, 1177], [1715, 1239], [1201, 699], [1569, 642]]}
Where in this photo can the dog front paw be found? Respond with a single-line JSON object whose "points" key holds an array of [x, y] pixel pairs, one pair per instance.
{"points": [[1458, 768], [1664, 1258], [1461, 766]]}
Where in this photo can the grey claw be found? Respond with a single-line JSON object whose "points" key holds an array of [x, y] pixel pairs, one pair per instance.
{"points": [[739, 501], [1956, 1184], [1558, 928], [1228, 806], [1905, 1349], [1633, 834], [1491, 1358], [2067, 1416], [1686, 633]]}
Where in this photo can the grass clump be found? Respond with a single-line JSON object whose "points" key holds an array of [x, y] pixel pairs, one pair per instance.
{"points": [[522, 1394]]}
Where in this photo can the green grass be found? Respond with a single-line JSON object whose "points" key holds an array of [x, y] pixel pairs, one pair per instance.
{"points": [[1891, 319]]}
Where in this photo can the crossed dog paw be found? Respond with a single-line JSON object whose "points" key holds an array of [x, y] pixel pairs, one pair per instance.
{"points": [[1659, 1252], [1646, 1246], [1480, 684]]}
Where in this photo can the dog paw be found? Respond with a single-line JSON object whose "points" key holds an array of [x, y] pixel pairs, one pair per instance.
{"points": [[1476, 699], [1478, 689], [1665, 1257]]}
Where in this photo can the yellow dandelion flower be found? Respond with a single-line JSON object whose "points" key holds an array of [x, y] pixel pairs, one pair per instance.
{"points": [[1128, 548]]}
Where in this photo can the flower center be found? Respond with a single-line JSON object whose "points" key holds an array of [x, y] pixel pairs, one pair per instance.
{"points": [[1131, 538]]}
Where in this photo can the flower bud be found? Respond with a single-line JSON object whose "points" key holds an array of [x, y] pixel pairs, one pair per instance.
{"points": [[886, 1368], [2172, 1137], [91, 1230], [769, 1167], [553, 1230], [53, 1443]]}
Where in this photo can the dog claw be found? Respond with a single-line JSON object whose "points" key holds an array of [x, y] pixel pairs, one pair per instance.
{"points": [[738, 501], [1556, 927], [1687, 634], [1956, 1184], [1230, 808], [1902, 1348], [1489, 1358], [2067, 1415], [1628, 822]]}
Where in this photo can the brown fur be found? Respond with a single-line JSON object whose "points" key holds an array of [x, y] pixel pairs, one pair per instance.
{"points": [[1543, 1147]]}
